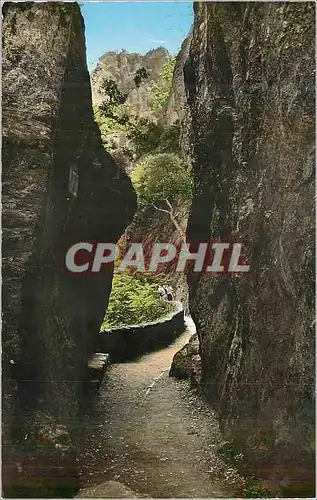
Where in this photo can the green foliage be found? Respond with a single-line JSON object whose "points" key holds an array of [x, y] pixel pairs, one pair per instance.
{"points": [[108, 124], [169, 140], [111, 116], [111, 91], [145, 135], [134, 300], [162, 176], [148, 136], [162, 89], [253, 489], [140, 75]]}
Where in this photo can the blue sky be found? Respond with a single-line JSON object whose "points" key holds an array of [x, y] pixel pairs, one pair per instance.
{"points": [[134, 26]]}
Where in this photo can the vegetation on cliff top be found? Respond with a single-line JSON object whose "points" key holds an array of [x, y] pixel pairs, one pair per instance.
{"points": [[144, 135], [162, 88]]}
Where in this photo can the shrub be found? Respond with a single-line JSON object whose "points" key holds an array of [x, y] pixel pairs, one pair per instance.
{"points": [[162, 176], [150, 137], [134, 300]]}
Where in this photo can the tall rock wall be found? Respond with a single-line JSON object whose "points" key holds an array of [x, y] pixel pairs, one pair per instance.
{"points": [[176, 103], [49, 316], [249, 134]]}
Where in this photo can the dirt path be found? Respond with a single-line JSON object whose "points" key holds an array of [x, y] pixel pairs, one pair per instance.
{"points": [[153, 436]]}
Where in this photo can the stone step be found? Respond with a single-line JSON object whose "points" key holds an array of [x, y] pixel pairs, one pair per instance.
{"points": [[99, 361], [97, 366]]}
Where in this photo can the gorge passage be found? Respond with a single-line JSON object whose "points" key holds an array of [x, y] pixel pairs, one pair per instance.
{"points": [[229, 122]]}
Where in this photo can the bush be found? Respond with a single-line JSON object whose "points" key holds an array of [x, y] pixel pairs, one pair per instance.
{"points": [[145, 135], [162, 176], [150, 137], [134, 300]]}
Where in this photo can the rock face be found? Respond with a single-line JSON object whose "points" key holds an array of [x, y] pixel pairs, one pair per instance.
{"points": [[59, 187], [250, 138], [186, 363], [122, 67], [175, 109]]}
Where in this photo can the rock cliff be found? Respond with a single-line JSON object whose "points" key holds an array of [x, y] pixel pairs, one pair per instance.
{"points": [[122, 67], [249, 134], [59, 187], [175, 108]]}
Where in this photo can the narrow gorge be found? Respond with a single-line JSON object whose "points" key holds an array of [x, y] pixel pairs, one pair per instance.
{"points": [[209, 388]]}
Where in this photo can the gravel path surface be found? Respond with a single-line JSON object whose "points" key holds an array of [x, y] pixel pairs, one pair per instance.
{"points": [[150, 435]]}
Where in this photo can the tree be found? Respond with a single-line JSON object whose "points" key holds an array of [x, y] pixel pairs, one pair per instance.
{"points": [[162, 89], [111, 107], [163, 180], [140, 75], [150, 137], [146, 135]]}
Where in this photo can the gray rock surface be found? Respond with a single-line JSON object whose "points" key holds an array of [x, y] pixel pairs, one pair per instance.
{"points": [[249, 134], [109, 489], [187, 362], [50, 316]]}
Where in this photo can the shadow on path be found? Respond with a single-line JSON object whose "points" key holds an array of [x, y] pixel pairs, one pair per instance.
{"points": [[151, 435]]}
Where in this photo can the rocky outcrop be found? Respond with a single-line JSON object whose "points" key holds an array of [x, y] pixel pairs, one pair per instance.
{"points": [[176, 103], [59, 187], [250, 139], [122, 68], [96, 369], [186, 363]]}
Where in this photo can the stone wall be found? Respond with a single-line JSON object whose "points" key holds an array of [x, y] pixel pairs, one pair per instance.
{"points": [[129, 342]]}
